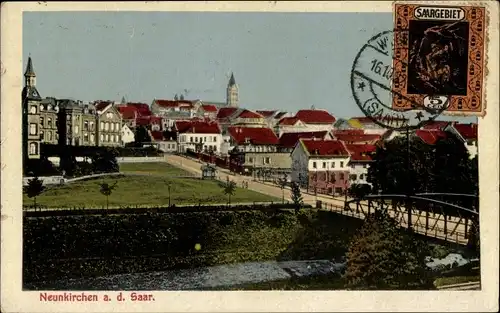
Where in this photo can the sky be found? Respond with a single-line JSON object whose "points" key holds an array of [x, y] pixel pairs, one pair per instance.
{"points": [[284, 61]]}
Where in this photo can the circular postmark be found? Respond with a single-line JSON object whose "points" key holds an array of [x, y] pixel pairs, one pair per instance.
{"points": [[373, 75]]}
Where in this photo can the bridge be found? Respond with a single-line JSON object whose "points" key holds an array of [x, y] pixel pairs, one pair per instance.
{"points": [[423, 213]]}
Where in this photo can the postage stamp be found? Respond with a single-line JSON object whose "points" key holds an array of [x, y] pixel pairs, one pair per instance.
{"points": [[156, 156], [439, 56]]}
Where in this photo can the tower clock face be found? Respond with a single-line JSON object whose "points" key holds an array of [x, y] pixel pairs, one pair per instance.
{"points": [[35, 93]]}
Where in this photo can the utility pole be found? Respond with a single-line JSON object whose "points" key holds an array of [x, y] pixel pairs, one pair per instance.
{"points": [[409, 179]]}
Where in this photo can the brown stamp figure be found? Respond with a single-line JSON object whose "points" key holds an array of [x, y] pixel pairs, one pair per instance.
{"points": [[439, 56]]}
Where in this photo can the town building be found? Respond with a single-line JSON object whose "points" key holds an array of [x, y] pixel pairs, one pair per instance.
{"points": [[272, 117], [321, 166], [359, 162], [31, 115], [128, 136], [48, 121], [232, 93], [198, 136], [254, 151], [208, 111], [356, 136], [164, 143], [247, 118], [306, 121], [76, 123], [109, 124], [288, 141]]}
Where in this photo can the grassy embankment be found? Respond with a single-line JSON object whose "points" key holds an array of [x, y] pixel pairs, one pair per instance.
{"points": [[146, 184]]}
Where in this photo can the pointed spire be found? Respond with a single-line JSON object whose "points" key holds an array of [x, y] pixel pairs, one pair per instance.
{"points": [[29, 68], [232, 81]]}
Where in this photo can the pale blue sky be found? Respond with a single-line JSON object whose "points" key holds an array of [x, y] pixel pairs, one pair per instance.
{"points": [[280, 60]]}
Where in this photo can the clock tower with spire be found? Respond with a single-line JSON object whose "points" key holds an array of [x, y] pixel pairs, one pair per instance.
{"points": [[31, 115]]}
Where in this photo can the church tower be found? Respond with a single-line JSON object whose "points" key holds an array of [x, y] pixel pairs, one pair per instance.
{"points": [[31, 115], [232, 93]]}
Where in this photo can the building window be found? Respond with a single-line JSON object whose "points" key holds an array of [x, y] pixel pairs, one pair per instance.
{"points": [[361, 176], [92, 137], [86, 125], [190, 139], [49, 136], [33, 110], [215, 138], [41, 121], [333, 164], [341, 176], [354, 177], [107, 137], [341, 164], [215, 148], [324, 164], [85, 137], [91, 125], [102, 126], [314, 164], [195, 139], [41, 135], [117, 126], [33, 148], [101, 137], [364, 165], [76, 129], [49, 122], [106, 126], [267, 160], [33, 129]]}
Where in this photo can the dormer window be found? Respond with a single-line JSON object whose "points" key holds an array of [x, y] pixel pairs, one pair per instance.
{"points": [[33, 109], [49, 107]]}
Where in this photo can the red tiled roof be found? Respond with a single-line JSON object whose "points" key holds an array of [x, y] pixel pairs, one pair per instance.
{"points": [[289, 140], [324, 147], [430, 137], [256, 135], [197, 127], [249, 114], [209, 108], [142, 108], [148, 120], [288, 121], [361, 152], [359, 138], [369, 120], [128, 113], [174, 103], [225, 112], [101, 105], [438, 125], [157, 135], [266, 113], [348, 132], [467, 131], [315, 117]]}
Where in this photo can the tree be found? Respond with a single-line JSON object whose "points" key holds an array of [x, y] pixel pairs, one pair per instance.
{"points": [[359, 190], [282, 182], [34, 188], [229, 188], [107, 189], [141, 136], [105, 162], [296, 195], [382, 256]]}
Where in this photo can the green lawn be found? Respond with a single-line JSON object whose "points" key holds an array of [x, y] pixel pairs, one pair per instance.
{"points": [[444, 281], [157, 168], [142, 190]]}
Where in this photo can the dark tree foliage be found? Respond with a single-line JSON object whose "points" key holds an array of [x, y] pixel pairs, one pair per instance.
{"points": [[359, 190], [229, 189], [105, 162], [381, 256], [442, 167], [296, 195], [34, 188], [141, 136], [107, 189], [282, 182]]}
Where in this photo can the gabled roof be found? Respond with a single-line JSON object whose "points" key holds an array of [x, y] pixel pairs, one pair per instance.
{"points": [[157, 135], [437, 125], [361, 152], [148, 120], [467, 131], [209, 108], [289, 140], [315, 117], [101, 106], [225, 112], [197, 127], [289, 121], [253, 135], [249, 114], [127, 113], [279, 115], [356, 137], [267, 113], [142, 108], [187, 104], [348, 132], [314, 147], [430, 137]]}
